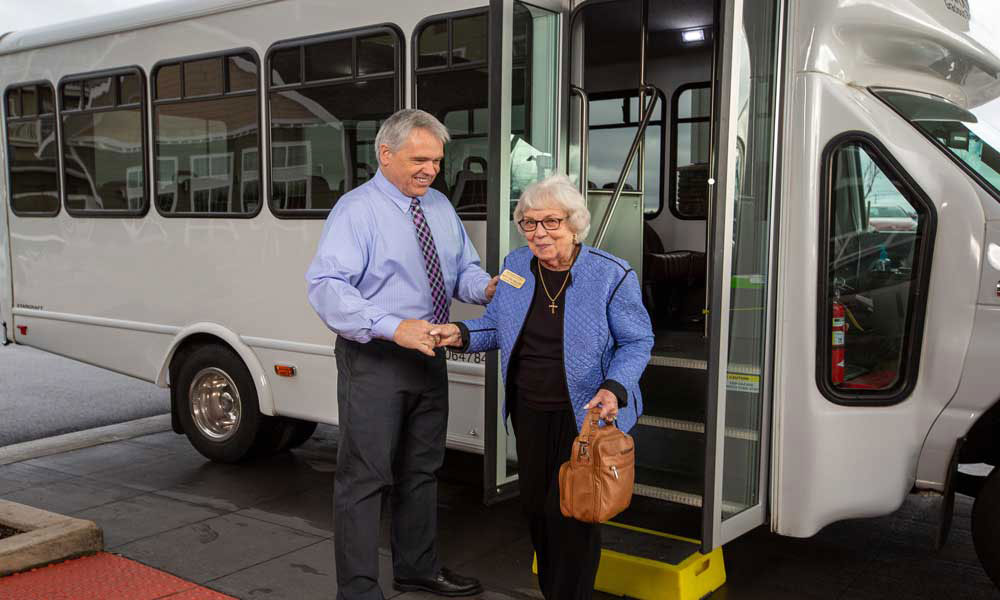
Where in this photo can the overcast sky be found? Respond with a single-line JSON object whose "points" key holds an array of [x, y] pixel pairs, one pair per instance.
{"points": [[16, 15]]}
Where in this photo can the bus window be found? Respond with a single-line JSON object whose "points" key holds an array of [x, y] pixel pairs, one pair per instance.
{"points": [[452, 83], [690, 143], [31, 150], [206, 123], [103, 144], [327, 97], [614, 118], [879, 229]]}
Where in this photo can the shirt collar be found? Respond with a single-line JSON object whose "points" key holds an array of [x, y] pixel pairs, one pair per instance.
{"points": [[385, 186]]}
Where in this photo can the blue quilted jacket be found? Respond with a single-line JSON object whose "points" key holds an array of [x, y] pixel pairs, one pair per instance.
{"points": [[606, 330]]}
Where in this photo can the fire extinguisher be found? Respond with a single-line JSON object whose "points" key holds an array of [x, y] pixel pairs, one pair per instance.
{"points": [[839, 329]]}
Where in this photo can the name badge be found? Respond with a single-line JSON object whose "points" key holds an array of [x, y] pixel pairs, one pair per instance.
{"points": [[511, 278]]}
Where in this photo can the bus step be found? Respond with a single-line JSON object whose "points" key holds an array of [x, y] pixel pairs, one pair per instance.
{"points": [[649, 565]]}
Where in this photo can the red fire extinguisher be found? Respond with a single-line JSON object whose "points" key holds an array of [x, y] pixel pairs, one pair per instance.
{"points": [[837, 357]]}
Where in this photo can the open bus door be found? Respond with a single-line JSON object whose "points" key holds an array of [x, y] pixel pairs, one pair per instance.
{"points": [[525, 107], [702, 444]]}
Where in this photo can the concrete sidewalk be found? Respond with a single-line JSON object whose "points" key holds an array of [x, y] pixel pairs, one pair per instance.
{"points": [[264, 529]]}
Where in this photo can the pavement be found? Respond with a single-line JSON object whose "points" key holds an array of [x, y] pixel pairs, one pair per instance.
{"points": [[43, 395], [265, 530]]}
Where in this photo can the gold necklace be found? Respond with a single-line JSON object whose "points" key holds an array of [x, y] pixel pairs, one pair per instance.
{"points": [[552, 299]]}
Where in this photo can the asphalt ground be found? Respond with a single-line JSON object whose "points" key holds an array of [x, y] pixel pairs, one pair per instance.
{"points": [[264, 529], [43, 395]]}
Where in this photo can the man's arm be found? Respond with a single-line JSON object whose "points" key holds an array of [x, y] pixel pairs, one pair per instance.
{"points": [[341, 258]]}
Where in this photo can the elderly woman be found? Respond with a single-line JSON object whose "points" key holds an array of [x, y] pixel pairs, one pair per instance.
{"points": [[573, 334]]}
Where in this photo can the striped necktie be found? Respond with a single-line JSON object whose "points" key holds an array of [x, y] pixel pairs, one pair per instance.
{"points": [[431, 263]]}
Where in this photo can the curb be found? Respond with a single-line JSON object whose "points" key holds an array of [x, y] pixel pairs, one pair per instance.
{"points": [[83, 439], [47, 538]]}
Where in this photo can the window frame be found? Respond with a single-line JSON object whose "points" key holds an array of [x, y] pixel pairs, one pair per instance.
{"points": [[983, 183], [674, 122], [143, 117], [924, 252], [628, 94], [6, 150], [448, 67], [398, 76], [180, 61]]}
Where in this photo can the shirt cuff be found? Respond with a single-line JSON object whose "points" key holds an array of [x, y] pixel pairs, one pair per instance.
{"points": [[465, 336], [385, 328], [618, 390]]}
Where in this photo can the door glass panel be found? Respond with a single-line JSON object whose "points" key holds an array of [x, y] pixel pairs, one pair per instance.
{"points": [[750, 191]]}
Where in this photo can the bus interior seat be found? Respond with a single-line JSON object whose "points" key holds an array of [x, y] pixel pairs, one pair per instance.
{"points": [[470, 193], [320, 193], [673, 282]]}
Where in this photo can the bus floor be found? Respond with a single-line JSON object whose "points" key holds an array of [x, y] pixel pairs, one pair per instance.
{"points": [[264, 529]]}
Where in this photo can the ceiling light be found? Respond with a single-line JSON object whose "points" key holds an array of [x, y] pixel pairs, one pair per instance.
{"points": [[693, 35]]}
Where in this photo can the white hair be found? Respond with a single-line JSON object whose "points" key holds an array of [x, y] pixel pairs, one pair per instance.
{"points": [[556, 191], [397, 129]]}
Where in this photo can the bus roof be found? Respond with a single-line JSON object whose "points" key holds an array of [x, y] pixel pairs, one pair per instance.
{"points": [[139, 17]]}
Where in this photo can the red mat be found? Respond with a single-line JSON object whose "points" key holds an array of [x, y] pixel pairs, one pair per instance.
{"points": [[102, 576]]}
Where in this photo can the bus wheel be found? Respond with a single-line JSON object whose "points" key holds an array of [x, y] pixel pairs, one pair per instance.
{"points": [[218, 407], [986, 525]]}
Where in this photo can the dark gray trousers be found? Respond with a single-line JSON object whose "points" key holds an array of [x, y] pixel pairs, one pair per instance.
{"points": [[393, 405]]}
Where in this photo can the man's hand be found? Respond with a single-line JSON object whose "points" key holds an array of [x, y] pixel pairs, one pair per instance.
{"points": [[608, 403], [448, 334], [416, 334], [491, 288]]}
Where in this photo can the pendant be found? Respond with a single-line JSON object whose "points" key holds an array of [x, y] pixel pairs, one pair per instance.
{"points": [[553, 306]]}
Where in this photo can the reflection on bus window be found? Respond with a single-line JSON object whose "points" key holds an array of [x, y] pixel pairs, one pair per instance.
{"points": [[327, 99], [452, 83], [205, 115], [31, 150], [614, 119], [103, 144], [971, 136], [876, 233], [690, 145]]}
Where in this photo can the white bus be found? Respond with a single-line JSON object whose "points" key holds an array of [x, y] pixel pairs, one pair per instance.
{"points": [[167, 170]]}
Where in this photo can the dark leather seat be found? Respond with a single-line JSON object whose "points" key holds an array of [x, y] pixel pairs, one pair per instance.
{"points": [[470, 194], [673, 282]]}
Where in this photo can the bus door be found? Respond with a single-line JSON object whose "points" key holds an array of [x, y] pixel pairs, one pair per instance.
{"points": [[526, 129]]}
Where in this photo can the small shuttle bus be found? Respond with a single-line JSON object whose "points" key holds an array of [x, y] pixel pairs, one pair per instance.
{"points": [[809, 191]]}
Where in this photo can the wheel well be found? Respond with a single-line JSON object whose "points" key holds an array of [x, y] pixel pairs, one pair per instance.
{"points": [[983, 440], [183, 350]]}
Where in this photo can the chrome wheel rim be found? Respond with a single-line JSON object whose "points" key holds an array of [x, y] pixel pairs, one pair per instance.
{"points": [[215, 404]]}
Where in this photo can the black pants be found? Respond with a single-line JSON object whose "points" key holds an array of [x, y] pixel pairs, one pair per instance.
{"points": [[568, 551], [393, 405]]}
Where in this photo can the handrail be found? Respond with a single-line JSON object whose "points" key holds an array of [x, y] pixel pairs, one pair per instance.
{"points": [[584, 135], [620, 186]]}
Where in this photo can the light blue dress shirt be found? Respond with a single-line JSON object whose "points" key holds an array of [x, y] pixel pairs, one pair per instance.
{"points": [[368, 274]]}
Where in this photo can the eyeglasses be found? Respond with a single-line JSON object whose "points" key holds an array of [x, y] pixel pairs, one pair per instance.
{"points": [[549, 223]]}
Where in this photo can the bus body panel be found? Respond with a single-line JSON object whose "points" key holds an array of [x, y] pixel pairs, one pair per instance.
{"points": [[834, 461], [6, 282], [121, 289]]}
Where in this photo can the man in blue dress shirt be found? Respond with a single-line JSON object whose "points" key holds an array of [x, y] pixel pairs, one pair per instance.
{"points": [[392, 255]]}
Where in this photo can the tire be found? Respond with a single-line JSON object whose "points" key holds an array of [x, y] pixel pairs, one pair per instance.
{"points": [[218, 407], [986, 526]]}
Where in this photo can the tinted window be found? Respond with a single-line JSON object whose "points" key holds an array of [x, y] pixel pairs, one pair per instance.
{"points": [[29, 101], [877, 229], [206, 145], [33, 156], [323, 134], [690, 146], [168, 82], [103, 149], [286, 66], [130, 89], [457, 93]]}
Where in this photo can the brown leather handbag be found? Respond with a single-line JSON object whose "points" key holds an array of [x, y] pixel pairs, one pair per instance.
{"points": [[596, 483]]}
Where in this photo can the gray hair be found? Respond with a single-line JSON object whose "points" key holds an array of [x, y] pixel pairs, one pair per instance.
{"points": [[557, 191], [397, 129]]}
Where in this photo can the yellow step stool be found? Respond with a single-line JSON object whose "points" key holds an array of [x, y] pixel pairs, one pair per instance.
{"points": [[649, 565]]}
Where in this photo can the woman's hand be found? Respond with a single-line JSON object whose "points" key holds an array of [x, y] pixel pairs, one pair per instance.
{"points": [[447, 335], [608, 403]]}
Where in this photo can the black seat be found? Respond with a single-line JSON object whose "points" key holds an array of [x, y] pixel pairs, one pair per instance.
{"points": [[470, 194], [673, 282]]}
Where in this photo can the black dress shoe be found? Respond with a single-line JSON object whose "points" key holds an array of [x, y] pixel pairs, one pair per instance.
{"points": [[445, 583]]}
